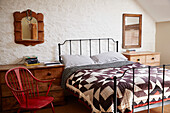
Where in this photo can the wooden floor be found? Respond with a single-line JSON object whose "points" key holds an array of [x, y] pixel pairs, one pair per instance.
{"points": [[73, 106]]}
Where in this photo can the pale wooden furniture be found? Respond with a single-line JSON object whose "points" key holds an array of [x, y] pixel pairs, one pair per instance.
{"points": [[8, 102], [147, 58]]}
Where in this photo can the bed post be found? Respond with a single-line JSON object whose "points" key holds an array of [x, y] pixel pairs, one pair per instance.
{"points": [[99, 46], [59, 52], [163, 89], [90, 46], [70, 47], [133, 89], [108, 43], [115, 94], [116, 46], [149, 68]]}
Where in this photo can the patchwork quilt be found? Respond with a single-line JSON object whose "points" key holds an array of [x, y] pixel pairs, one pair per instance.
{"points": [[96, 87]]}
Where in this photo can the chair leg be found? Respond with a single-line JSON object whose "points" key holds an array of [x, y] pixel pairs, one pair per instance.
{"points": [[19, 110], [52, 107]]}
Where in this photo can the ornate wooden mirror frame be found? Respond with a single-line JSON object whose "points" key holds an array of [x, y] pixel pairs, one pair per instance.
{"points": [[18, 27], [132, 28]]}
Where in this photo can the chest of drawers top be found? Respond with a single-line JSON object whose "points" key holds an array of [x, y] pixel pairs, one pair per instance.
{"points": [[41, 66], [142, 53], [147, 57]]}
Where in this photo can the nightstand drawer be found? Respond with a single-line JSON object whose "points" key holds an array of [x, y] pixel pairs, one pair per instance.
{"points": [[2, 77], [152, 58], [140, 59], [48, 73], [56, 85], [5, 90], [43, 87], [9, 103]]}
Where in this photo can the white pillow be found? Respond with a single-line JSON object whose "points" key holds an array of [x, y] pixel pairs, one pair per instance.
{"points": [[76, 60], [108, 57]]}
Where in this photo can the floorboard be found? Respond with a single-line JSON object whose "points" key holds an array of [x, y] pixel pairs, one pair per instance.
{"points": [[73, 106]]}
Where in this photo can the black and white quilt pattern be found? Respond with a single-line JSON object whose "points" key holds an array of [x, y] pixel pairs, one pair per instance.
{"points": [[96, 88]]}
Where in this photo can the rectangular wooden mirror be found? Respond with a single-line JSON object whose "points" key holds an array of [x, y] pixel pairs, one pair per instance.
{"points": [[132, 28]]}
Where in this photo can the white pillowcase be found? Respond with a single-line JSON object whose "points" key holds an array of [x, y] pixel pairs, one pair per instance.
{"points": [[108, 57], [76, 60]]}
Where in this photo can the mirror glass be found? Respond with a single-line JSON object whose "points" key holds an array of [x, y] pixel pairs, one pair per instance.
{"points": [[131, 31], [29, 28]]}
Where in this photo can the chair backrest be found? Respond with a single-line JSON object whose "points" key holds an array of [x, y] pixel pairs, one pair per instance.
{"points": [[20, 79]]}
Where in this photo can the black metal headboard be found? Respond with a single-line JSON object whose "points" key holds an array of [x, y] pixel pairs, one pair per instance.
{"points": [[90, 44]]}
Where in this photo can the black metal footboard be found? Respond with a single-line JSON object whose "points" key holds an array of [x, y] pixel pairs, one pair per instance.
{"points": [[149, 75]]}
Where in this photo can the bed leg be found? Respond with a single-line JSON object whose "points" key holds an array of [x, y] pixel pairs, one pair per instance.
{"points": [[115, 94]]}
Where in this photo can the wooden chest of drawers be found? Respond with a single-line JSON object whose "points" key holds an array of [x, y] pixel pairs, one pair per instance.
{"points": [[147, 58], [8, 102]]}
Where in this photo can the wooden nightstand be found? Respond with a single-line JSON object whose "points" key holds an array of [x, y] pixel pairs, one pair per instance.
{"points": [[147, 58], [8, 102]]}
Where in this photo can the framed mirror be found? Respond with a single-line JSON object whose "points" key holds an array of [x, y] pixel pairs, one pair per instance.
{"points": [[132, 28], [28, 28]]}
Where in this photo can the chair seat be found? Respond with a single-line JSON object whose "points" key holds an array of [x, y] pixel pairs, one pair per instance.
{"points": [[37, 102]]}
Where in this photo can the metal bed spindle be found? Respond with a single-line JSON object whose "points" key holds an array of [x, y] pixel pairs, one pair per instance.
{"points": [[70, 47], [116, 46], [90, 46], [115, 94], [163, 89], [80, 48], [59, 52], [133, 89], [149, 69], [108, 44], [99, 47]]}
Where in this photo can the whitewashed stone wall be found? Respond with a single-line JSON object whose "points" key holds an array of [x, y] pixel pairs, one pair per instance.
{"points": [[69, 19]]}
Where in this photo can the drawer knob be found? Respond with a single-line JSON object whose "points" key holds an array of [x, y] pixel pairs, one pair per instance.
{"points": [[48, 74], [138, 59], [153, 58]]}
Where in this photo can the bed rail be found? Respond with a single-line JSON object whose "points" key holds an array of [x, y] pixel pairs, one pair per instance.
{"points": [[90, 45], [149, 73]]}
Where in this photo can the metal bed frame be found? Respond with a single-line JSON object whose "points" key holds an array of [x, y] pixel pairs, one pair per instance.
{"points": [[148, 106], [90, 45]]}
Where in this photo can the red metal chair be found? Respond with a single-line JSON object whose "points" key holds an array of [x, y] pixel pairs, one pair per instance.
{"points": [[24, 87]]}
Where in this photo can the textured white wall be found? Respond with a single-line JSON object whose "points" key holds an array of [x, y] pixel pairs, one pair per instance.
{"points": [[69, 19]]}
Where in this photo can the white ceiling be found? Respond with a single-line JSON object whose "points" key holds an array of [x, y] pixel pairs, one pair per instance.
{"points": [[159, 10]]}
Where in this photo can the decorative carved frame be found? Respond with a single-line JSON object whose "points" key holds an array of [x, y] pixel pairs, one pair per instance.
{"points": [[18, 28]]}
